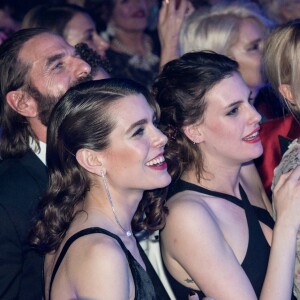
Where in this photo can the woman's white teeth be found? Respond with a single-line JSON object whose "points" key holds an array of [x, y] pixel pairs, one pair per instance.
{"points": [[252, 136], [156, 161]]}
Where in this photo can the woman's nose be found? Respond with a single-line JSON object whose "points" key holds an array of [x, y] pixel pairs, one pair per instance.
{"points": [[255, 115], [160, 139]]}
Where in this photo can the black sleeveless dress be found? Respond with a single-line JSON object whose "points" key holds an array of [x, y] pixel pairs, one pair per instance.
{"points": [[147, 284], [257, 256]]}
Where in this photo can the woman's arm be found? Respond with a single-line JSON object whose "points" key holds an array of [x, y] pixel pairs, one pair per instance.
{"points": [[193, 240], [286, 197], [103, 271]]}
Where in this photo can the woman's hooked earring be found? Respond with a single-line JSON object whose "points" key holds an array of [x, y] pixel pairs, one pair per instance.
{"points": [[193, 141], [102, 172]]}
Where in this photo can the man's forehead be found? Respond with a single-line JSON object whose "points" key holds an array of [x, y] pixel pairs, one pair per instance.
{"points": [[43, 46]]}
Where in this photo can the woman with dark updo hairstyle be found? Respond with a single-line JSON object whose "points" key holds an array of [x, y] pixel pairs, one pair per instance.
{"points": [[219, 240]]}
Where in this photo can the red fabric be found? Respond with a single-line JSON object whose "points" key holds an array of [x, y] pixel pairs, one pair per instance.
{"points": [[270, 130]]}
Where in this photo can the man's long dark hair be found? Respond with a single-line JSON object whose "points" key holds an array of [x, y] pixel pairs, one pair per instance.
{"points": [[15, 129]]}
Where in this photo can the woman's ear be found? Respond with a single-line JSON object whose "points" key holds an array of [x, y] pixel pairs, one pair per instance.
{"points": [[22, 103], [193, 132], [91, 161], [286, 92]]}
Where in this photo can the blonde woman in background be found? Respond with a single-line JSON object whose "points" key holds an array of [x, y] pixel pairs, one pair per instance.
{"points": [[236, 30]]}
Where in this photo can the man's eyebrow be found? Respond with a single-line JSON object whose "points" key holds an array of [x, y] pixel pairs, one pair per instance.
{"points": [[54, 58]]}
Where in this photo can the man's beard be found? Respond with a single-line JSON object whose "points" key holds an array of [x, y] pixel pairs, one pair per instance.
{"points": [[46, 103]]}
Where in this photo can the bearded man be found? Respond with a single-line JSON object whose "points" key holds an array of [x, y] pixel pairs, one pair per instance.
{"points": [[37, 68]]}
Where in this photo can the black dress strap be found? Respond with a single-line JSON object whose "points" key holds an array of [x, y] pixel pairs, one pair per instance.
{"points": [[147, 283], [182, 185], [256, 259], [72, 239], [264, 216], [159, 288]]}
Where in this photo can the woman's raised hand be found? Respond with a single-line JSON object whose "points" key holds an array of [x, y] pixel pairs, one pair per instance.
{"points": [[171, 17]]}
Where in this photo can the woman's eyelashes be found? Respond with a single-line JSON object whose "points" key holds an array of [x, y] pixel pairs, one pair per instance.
{"points": [[256, 46], [233, 111], [89, 37], [139, 131]]}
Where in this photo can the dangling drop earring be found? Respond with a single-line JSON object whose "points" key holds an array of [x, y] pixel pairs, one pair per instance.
{"points": [[127, 232]]}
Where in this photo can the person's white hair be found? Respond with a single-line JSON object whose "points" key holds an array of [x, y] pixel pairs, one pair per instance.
{"points": [[217, 28]]}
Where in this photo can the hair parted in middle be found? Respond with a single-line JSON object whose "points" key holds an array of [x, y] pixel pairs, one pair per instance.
{"points": [[181, 90]]}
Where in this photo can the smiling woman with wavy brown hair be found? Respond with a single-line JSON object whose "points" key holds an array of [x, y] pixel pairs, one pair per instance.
{"points": [[104, 151]]}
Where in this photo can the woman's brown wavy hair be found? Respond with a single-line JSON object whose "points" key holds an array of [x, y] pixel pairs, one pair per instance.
{"points": [[181, 90]]}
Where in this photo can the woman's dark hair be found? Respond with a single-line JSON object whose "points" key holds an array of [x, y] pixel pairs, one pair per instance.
{"points": [[81, 119], [101, 11], [181, 90]]}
